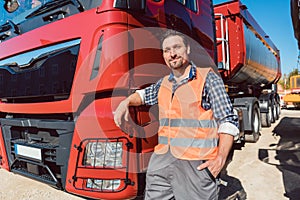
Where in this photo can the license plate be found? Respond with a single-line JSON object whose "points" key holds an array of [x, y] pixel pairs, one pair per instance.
{"points": [[29, 152]]}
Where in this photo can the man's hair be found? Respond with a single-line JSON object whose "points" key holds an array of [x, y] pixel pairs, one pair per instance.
{"points": [[171, 32]]}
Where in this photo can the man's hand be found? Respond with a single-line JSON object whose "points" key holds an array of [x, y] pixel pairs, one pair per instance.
{"points": [[215, 165], [123, 108], [121, 111]]}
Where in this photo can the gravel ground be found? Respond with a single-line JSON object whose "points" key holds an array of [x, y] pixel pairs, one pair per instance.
{"points": [[16, 187]]}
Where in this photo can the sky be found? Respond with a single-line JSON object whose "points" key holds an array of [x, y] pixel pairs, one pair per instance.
{"points": [[275, 19]]}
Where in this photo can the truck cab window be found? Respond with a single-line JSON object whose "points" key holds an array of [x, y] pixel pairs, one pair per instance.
{"points": [[190, 4], [27, 7]]}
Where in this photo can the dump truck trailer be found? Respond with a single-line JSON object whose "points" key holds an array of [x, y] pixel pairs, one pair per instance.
{"points": [[249, 63]]}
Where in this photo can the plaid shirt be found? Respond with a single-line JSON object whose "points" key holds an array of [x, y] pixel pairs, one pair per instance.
{"points": [[214, 97]]}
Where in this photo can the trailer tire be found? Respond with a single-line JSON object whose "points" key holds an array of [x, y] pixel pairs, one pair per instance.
{"points": [[265, 121], [279, 109], [266, 118], [273, 112], [277, 114], [253, 136]]}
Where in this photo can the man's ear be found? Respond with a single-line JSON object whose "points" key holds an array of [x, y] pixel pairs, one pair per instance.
{"points": [[188, 49]]}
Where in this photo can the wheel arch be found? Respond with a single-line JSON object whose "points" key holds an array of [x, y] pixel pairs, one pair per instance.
{"points": [[247, 104]]}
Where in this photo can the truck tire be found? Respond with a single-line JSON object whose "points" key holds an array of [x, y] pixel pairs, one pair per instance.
{"points": [[266, 118], [277, 114], [273, 112], [253, 136]]}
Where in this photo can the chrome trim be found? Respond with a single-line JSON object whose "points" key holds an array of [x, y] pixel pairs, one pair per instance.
{"points": [[24, 60]]}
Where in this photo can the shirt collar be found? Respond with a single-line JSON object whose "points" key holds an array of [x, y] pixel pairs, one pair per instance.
{"points": [[192, 74]]}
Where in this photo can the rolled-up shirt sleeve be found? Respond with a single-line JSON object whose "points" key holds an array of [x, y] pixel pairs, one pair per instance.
{"points": [[149, 95], [142, 95], [216, 98]]}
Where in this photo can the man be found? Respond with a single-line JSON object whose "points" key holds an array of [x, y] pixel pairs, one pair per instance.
{"points": [[197, 126]]}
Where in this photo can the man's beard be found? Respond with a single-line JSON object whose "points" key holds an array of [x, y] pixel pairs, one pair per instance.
{"points": [[175, 64]]}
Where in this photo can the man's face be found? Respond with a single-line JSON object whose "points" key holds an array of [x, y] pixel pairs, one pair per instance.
{"points": [[175, 52]]}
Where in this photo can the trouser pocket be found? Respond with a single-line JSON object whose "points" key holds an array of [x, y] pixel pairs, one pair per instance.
{"points": [[210, 174]]}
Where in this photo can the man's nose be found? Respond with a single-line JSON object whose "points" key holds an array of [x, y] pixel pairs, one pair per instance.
{"points": [[173, 52]]}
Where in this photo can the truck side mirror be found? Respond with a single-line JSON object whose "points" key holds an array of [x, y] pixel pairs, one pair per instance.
{"points": [[134, 5], [11, 5]]}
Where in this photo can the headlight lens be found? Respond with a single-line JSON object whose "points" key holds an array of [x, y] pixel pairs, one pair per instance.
{"points": [[103, 154], [103, 184]]}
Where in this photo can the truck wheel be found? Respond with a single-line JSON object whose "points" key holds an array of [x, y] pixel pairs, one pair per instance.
{"points": [[266, 118], [277, 110], [273, 112], [254, 135]]}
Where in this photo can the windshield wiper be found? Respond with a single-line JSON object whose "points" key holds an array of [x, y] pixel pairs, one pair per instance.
{"points": [[5, 29], [51, 5], [14, 26], [8, 25]]}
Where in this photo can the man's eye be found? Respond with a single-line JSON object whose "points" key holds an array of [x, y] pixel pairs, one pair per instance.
{"points": [[177, 47], [166, 50]]}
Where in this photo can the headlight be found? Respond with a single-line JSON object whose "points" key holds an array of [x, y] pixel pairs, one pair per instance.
{"points": [[103, 184], [103, 154]]}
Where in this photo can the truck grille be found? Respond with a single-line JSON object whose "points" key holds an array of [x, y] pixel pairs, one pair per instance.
{"points": [[38, 148], [45, 74]]}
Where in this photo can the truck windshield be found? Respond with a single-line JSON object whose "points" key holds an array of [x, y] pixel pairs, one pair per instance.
{"points": [[26, 7], [30, 8]]}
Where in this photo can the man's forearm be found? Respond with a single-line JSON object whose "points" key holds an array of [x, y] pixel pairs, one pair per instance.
{"points": [[225, 145], [134, 100], [122, 110]]}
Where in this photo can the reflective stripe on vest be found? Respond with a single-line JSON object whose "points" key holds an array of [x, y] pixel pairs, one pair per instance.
{"points": [[191, 123], [189, 142]]}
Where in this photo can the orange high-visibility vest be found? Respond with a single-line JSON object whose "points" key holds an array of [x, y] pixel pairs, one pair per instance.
{"points": [[185, 127]]}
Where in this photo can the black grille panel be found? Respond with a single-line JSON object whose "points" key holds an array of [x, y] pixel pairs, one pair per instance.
{"points": [[38, 148], [47, 77]]}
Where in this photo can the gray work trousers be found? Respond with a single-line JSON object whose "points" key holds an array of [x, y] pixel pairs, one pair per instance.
{"points": [[171, 178]]}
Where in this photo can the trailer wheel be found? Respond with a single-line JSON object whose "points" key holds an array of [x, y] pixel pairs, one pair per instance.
{"points": [[253, 136], [273, 112], [266, 118], [277, 106], [279, 109]]}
